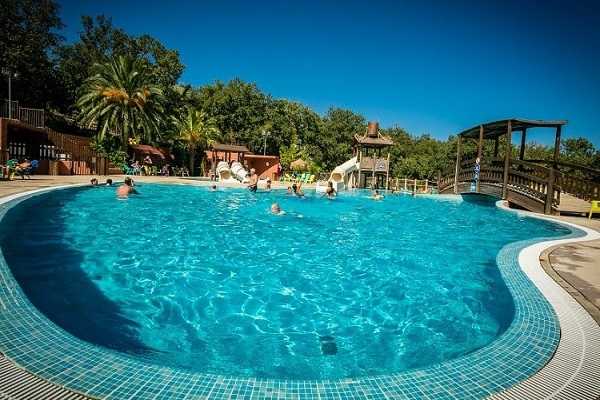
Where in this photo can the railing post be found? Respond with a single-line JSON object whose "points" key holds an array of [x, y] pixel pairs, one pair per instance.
{"points": [[506, 161], [457, 168], [549, 192]]}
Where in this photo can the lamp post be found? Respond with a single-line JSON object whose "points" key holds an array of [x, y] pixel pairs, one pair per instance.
{"points": [[265, 135], [8, 73]]}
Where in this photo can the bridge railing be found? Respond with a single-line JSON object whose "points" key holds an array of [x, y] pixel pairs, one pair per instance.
{"points": [[528, 184], [576, 180]]}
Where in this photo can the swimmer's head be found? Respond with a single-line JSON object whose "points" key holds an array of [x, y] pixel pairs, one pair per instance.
{"points": [[275, 208]]}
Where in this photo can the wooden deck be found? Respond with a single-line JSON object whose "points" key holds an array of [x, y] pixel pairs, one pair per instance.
{"points": [[571, 205]]}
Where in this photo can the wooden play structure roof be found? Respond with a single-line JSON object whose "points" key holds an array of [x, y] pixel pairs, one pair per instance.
{"points": [[158, 155], [230, 148], [372, 137], [493, 130]]}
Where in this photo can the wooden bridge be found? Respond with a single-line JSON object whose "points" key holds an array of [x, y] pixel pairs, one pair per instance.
{"points": [[542, 186]]}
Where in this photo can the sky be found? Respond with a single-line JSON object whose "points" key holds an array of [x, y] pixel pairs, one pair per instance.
{"points": [[434, 67]]}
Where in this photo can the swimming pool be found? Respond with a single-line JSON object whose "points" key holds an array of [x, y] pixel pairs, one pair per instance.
{"points": [[315, 214]]}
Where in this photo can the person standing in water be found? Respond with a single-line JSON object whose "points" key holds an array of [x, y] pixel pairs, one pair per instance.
{"points": [[126, 189], [253, 182]]}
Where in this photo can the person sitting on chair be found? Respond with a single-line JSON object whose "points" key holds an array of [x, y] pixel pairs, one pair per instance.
{"points": [[22, 167]]}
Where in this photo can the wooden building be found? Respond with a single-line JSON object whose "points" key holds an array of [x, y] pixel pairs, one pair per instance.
{"points": [[373, 157]]}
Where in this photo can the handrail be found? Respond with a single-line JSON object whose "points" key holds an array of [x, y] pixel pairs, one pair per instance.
{"points": [[528, 184], [32, 116]]}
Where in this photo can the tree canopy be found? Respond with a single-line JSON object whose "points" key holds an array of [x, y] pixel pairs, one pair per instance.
{"points": [[129, 86]]}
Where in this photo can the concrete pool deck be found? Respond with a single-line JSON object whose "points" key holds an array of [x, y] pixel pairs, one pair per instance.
{"points": [[574, 265]]}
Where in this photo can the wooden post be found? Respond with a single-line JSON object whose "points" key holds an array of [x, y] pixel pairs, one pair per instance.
{"points": [[552, 174], [387, 175], [523, 136], [479, 153], [359, 158], [373, 169], [496, 144], [506, 161], [457, 168], [557, 142], [549, 192]]}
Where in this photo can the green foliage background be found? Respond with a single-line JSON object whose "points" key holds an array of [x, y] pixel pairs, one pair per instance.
{"points": [[52, 75]]}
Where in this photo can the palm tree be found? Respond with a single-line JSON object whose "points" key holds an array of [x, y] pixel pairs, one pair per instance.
{"points": [[197, 130], [122, 99]]}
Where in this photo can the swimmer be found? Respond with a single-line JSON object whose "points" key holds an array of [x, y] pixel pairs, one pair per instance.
{"points": [[275, 209], [298, 191], [253, 182], [376, 195], [126, 189], [329, 191]]}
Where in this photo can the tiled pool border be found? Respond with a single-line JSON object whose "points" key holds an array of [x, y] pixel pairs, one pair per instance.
{"points": [[31, 341]]}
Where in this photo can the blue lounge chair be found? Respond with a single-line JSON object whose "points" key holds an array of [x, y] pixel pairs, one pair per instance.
{"points": [[127, 170], [28, 171]]}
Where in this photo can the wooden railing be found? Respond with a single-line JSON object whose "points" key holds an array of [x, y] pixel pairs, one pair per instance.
{"points": [[77, 150], [32, 116], [576, 180], [413, 185], [370, 164], [530, 185]]}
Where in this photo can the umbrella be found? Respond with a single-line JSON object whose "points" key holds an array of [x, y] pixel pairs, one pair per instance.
{"points": [[299, 164]]}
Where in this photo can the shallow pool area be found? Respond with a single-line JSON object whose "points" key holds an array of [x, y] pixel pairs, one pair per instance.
{"points": [[526, 342]]}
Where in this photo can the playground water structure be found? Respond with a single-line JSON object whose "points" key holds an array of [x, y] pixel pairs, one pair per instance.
{"points": [[340, 176], [237, 172]]}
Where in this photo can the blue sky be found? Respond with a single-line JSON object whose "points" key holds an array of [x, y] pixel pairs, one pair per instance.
{"points": [[428, 66]]}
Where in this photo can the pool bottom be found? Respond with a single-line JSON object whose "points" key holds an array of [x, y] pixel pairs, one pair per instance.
{"points": [[31, 341]]}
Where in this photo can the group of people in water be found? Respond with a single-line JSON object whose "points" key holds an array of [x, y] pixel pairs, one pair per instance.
{"points": [[123, 191], [127, 188]]}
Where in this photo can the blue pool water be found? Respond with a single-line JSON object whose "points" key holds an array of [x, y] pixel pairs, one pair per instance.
{"points": [[212, 282]]}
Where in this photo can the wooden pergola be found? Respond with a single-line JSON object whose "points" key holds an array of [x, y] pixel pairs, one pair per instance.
{"points": [[495, 130]]}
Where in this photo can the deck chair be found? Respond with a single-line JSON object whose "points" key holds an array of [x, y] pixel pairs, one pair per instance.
{"points": [[127, 170], [595, 208], [28, 171], [9, 168], [287, 178], [311, 179]]}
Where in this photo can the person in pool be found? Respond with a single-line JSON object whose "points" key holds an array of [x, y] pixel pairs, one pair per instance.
{"points": [[376, 195], [126, 189], [298, 191], [253, 182], [329, 191], [275, 209]]}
